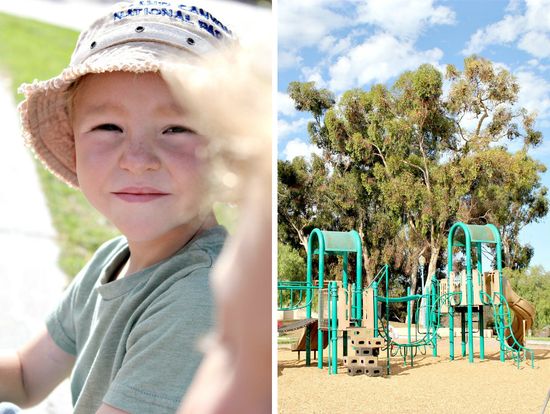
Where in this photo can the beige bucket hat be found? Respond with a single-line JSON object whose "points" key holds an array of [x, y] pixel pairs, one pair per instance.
{"points": [[141, 36]]}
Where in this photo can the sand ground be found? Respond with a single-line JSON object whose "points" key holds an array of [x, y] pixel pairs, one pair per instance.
{"points": [[434, 384]]}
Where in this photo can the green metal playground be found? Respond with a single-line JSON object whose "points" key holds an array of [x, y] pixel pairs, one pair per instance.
{"points": [[347, 327]]}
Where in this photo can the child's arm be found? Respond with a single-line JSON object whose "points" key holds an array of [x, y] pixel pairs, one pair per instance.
{"points": [[30, 374], [109, 409]]}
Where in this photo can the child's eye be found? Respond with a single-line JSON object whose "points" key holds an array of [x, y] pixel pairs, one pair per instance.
{"points": [[108, 127], [178, 130]]}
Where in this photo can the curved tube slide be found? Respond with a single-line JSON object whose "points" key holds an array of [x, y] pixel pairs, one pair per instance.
{"points": [[523, 311]]}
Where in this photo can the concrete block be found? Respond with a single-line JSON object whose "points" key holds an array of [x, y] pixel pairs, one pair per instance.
{"points": [[361, 331], [351, 360], [358, 341], [354, 370], [375, 342], [367, 351], [363, 351], [368, 362], [374, 371]]}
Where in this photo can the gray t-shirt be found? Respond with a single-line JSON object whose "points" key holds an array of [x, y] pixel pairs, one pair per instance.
{"points": [[135, 338]]}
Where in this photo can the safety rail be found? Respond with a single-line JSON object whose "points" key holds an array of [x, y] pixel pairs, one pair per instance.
{"points": [[294, 288], [384, 271], [517, 352], [410, 348]]}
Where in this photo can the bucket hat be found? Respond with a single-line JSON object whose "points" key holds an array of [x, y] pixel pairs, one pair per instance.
{"points": [[142, 36]]}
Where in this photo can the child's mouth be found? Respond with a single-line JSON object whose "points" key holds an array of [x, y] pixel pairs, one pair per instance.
{"points": [[139, 194]]}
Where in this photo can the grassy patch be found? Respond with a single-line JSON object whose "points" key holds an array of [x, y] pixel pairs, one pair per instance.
{"points": [[32, 50], [286, 340]]}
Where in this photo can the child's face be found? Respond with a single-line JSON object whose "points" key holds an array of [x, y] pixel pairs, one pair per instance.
{"points": [[137, 162]]}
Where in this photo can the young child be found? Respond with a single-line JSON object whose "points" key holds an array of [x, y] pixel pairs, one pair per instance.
{"points": [[127, 327]]}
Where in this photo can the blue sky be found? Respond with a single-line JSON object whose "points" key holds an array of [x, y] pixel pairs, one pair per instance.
{"points": [[345, 44]]}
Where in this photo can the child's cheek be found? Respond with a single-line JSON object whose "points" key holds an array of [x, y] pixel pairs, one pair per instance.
{"points": [[191, 152]]}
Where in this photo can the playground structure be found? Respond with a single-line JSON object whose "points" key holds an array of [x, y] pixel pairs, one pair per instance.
{"points": [[472, 288], [349, 308]]}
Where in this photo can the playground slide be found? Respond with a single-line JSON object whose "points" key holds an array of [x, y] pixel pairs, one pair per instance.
{"points": [[523, 311], [301, 344]]}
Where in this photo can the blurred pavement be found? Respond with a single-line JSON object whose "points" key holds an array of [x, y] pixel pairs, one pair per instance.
{"points": [[30, 279]]}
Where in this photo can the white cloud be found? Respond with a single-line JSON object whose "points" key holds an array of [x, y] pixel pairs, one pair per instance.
{"points": [[285, 127], [404, 18], [298, 148], [306, 22], [534, 94], [331, 46], [513, 6], [285, 105], [504, 31], [288, 59], [378, 59], [536, 43], [530, 30], [314, 75]]}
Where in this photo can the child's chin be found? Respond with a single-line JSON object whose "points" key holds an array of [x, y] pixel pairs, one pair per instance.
{"points": [[138, 232]]}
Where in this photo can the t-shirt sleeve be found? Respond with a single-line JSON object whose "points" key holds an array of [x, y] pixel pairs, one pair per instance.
{"points": [[162, 352], [63, 320], [60, 322]]}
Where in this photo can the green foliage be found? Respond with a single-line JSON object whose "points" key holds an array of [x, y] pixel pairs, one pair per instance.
{"points": [[533, 284], [291, 266], [31, 50], [80, 228], [403, 167]]}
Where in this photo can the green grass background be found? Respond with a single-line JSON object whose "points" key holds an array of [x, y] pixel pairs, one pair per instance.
{"points": [[33, 50]]}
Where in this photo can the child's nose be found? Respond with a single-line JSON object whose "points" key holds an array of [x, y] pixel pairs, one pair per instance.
{"points": [[138, 157]]}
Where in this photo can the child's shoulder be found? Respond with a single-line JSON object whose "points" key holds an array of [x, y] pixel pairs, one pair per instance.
{"points": [[211, 240], [199, 253], [108, 251]]}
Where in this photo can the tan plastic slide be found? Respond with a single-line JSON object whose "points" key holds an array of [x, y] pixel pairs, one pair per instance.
{"points": [[523, 311]]}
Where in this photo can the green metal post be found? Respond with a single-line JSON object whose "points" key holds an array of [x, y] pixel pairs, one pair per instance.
{"points": [[433, 320], [345, 271], [309, 294], [463, 333], [498, 249], [481, 334], [347, 298], [375, 310], [470, 299], [449, 284], [321, 243], [320, 344], [358, 277], [480, 309], [409, 315], [387, 332], [333, 289], [451, 331]]}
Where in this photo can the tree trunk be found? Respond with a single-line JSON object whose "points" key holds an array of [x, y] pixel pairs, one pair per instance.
{"points": [[366, 258], [413, 283], [432, 267], [506, 257]]}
